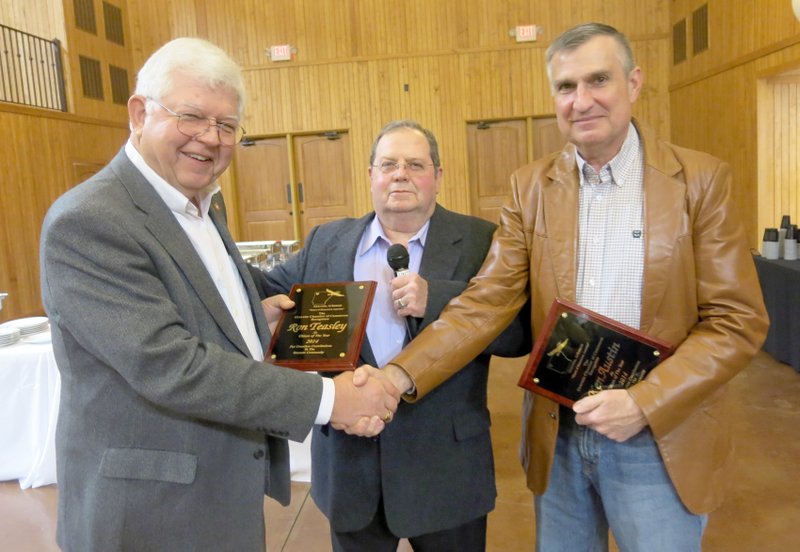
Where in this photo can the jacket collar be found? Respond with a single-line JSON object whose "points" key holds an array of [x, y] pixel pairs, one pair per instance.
{"points": [[161, 223]]}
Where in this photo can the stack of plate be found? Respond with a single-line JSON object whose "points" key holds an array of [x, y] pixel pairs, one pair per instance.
{"points": [[28, 326], [8, 336]]}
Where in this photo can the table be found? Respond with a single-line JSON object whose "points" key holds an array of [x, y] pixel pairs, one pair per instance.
{"points": [[29, 395], [30, 387], [780, 284]]}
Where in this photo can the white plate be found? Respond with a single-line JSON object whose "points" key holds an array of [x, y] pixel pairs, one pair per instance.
{"points": [[27, 326], [42, 337], [8, 336]]}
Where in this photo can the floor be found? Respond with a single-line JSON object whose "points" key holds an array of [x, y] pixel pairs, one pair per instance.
{"points": [[761, 514]]}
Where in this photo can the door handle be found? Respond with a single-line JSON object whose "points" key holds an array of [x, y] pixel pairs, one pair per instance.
{"points": [[300, 194]]}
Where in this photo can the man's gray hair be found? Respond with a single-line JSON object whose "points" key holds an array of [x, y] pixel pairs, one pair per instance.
{"points": [[407, 123], [195, 58], [580, 34]]}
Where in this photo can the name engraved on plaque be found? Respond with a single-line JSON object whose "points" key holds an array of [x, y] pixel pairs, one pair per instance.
{"points": [[325, 329]]}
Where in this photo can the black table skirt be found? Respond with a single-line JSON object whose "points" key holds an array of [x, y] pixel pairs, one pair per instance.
{"points": [[780, 284]]}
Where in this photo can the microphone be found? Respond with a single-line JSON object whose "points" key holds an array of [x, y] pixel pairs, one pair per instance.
{"points": [[397, 257]]}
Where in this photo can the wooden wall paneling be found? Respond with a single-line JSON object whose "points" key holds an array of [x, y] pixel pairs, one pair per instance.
{"points": [[779, 166], [355, 56], [765, 168], [38, 166], [44, 19], [652, 107], [739, 32], [153, 24], [718, 114], [96, 46], [713, 116]]}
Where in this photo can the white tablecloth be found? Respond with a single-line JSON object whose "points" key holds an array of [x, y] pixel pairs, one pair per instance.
{"points": [[29, 395]]}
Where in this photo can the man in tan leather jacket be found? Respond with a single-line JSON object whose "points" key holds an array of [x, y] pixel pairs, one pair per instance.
{"points": [[644, 232]]}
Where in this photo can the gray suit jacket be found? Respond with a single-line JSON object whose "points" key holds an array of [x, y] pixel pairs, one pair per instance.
{"points": [[162, 439], [433, 464]]}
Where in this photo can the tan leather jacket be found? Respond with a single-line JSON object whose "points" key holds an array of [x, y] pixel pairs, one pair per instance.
{"points": [[700, 292]]}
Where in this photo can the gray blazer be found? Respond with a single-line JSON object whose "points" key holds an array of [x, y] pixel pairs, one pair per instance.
{"points": [[162, 439], [433, 463]]}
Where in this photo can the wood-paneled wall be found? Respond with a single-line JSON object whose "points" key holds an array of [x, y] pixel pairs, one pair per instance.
{"points": [[359, 64], [47, 154], [97, 47], [41, 18], [715, 100], [362, 63]]}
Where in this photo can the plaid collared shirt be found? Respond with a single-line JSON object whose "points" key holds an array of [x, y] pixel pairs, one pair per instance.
{"points": [[611, 234]]}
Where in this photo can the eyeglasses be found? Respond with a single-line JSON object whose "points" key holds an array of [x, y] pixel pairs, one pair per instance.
{"points": [[193, 126], [414, 167]]}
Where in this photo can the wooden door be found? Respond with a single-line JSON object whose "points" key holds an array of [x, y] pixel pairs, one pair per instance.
{"points": [[495, 150], [264, 189], [324, 179], [546, 137]]}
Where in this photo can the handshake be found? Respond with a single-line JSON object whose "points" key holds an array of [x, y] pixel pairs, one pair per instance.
{"points": [[367, 398]]}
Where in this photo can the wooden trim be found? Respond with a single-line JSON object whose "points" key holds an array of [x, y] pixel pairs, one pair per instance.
{"points": [[60, 115]]}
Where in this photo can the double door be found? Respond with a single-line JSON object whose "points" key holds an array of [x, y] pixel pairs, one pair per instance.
{"points": [[498, 148], [289, 184]]}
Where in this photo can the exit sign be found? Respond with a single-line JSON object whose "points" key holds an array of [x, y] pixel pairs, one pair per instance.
{"points": [[282, 52], [526, 33]]}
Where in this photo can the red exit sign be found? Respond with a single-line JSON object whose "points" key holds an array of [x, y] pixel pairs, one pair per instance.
{"points": [[526, 33], [282, 52]]}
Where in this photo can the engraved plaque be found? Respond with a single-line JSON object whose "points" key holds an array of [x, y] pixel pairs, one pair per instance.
{"points": [[324, 330], [580, 352]]}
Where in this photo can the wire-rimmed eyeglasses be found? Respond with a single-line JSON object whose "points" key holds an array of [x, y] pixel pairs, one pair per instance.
{"points": [[414, 167], [192, 125]]}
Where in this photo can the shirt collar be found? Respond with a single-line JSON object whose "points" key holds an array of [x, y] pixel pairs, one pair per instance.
{"points": [[176, 201], [374, 233], [620, 166]]}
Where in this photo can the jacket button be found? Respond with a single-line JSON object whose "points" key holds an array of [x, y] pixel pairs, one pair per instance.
{"points": [[259, 454]]}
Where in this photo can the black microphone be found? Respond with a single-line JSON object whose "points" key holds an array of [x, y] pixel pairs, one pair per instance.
{"points": [[397, 257]]}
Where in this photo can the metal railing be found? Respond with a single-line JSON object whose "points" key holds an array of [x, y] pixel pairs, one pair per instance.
{"points": [[31, 72]]}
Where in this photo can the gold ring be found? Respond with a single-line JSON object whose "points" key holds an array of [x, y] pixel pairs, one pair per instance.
{"points": [[401, 304], [388, 417]]}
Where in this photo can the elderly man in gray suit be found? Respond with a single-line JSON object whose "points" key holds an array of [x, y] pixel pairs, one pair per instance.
{"points": [[430, 476], [171, 429]]}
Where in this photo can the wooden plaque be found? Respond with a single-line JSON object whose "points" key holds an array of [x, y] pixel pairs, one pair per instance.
{"points": [[324, 330], [579, 352]]}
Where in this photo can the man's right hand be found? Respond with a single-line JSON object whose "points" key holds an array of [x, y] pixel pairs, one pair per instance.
{"points": [[365, 401]]}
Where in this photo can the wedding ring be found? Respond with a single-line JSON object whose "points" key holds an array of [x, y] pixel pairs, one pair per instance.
{"points": [[401, 304], [387, 417]]}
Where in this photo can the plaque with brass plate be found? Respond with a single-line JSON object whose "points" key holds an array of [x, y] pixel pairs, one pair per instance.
{"points": [[324, 330], [579, 352]]}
